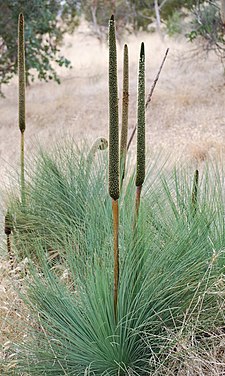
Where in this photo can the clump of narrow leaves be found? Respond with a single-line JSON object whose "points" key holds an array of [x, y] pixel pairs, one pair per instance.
{"points": [[179, 288]]}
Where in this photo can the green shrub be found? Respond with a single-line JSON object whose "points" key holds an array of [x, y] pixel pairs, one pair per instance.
{"points": [[173, 24]]}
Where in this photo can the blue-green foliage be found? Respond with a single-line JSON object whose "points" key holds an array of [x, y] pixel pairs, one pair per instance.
{"points": [[170, 274]]}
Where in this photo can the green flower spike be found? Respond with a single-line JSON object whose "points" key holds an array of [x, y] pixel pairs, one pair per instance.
{"points": [[140, 173], [113, 116]]}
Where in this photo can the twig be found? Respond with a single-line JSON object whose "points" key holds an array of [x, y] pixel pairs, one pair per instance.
{"points": [[149, 96], [156, 80]]}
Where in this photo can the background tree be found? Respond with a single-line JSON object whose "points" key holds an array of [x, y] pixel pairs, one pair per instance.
{"points": [[208, 26], [222, 11], [46, 21], [131, 14]]}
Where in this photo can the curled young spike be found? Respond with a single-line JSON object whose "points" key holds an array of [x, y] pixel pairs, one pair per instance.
{"points": [[113, 116], [140, 172], [124, 129], [99, 144]]}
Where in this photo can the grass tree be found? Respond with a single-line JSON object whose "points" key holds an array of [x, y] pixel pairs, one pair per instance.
{"points": [[78, 328], [114, 189], [177, 295], [22, 82]]}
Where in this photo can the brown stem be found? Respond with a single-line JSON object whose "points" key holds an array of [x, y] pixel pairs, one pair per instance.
{"points": [[149, 96], [138, 262], [137, 205], [23, 199], [115, 208]]}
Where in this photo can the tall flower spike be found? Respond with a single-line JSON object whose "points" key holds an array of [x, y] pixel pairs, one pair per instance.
{"points": [[114, 177], [113, 116], [140, 173], [140, 168], [124, 129], [21, 73]]}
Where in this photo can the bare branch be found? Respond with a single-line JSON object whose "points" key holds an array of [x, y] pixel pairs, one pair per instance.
{"points": [[156, 80]]}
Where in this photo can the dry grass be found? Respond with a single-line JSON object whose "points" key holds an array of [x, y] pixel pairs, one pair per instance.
{"points": [[186, 118], [12, 310], [187, 108]]}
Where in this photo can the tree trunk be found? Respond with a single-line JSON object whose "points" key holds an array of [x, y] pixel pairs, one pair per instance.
{"points": [[222, 11], [157, 13]]}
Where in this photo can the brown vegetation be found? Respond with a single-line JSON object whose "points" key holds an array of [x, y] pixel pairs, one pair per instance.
{"points": [[187, 107]]}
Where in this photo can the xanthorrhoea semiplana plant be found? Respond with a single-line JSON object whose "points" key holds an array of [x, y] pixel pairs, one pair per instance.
{"points": [[76, 328]]}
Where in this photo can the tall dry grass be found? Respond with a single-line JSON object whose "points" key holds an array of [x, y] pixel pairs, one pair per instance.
{"points": [[186, 110]]}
